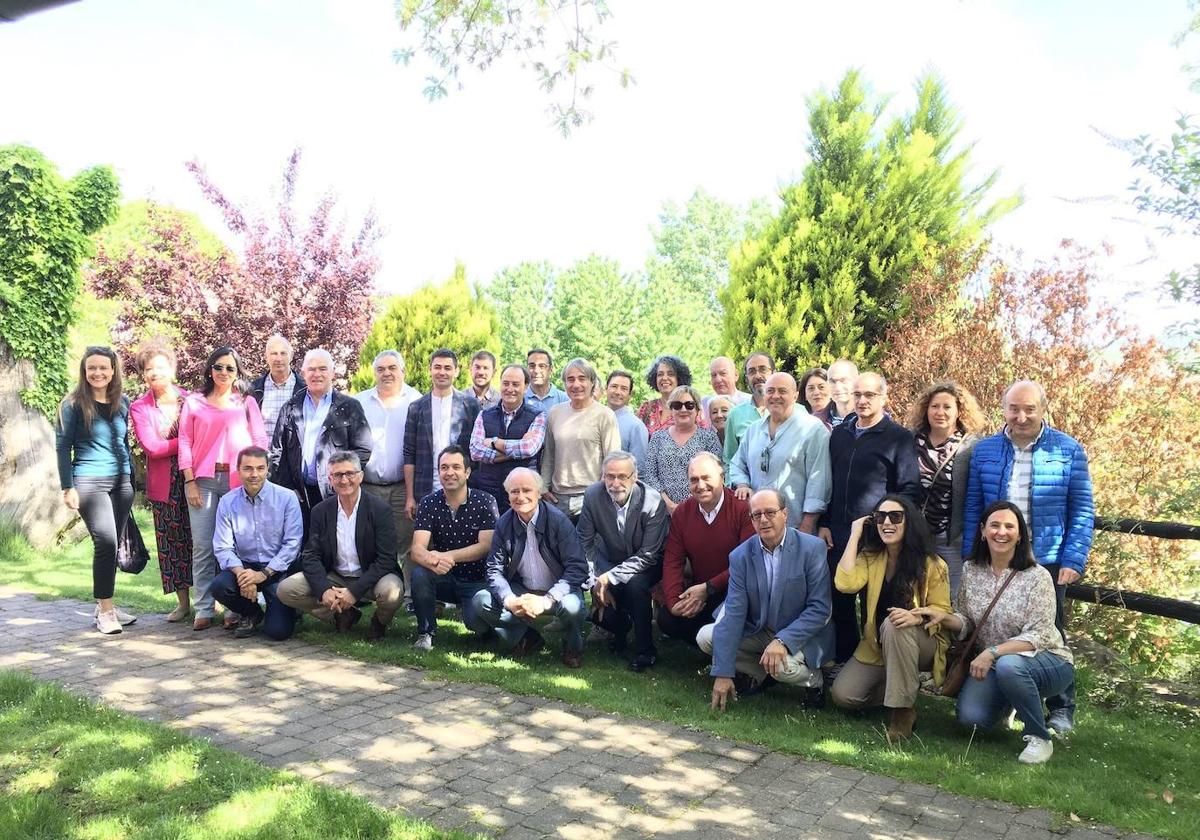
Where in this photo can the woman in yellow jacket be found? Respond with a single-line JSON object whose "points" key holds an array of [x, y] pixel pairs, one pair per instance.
{"points": [[890, 553]]}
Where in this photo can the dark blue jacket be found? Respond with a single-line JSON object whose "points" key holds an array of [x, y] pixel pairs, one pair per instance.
{"points": [[1063, 516], [558, 543]]}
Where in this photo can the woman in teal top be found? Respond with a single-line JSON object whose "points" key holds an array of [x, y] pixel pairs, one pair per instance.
{"points": [[95, 471]]}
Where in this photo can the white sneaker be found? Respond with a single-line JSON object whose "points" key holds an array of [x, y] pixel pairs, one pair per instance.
{"points": [[423, 643], [1037, 750], [107, 622], [125, 618]]}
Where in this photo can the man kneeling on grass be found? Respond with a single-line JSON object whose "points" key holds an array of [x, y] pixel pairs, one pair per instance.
{"points": [[535, 572], [774, 625], [350, 555]]}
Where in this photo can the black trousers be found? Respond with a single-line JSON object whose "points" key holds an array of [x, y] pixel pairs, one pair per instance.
{"points": [[635, 610], [1065, 700], [685, 629], [104, 505]]}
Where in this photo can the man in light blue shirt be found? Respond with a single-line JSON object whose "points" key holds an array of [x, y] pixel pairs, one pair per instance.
{"points": [[787, 450], [634, 435], [256, 540], [542, 395]]}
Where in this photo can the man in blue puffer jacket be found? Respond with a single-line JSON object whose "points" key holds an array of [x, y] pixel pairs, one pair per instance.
{"points": [[1044, 472]]}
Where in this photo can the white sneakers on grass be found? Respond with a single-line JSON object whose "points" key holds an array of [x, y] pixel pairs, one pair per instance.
{"points": [[1037, 750], [423, 643]]}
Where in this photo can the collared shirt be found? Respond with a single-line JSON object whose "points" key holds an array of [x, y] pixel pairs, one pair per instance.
{"points": [[772, 559], [634, 434], [441, 413], [275, 397], [622, 511], [451, 529], [347, 546], [387, 434], [532, 569], [524, 447], [710, 518], [1020, 482], [553, 397], [264, 531], [490, 397], [314, 418]]}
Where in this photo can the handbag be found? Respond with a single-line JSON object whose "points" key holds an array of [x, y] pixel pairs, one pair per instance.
{"points": [[132, 555], [962, 652]]}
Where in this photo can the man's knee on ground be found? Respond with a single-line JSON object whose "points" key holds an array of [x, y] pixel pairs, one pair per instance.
{"points": [[704, 638]]}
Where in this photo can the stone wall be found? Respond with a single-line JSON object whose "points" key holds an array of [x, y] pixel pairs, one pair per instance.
{"points": [[30, 497]]}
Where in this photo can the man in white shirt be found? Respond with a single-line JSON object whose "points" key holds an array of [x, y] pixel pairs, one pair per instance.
{"points": [[436, 420]]}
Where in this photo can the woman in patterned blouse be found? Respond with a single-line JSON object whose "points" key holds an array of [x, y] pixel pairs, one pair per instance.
{"points": [[946, 423], [665, 375], [671, 449], [1024, 657]]}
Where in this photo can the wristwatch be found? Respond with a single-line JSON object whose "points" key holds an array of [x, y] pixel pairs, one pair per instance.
{"points": [[268, 575], [995, 653]]}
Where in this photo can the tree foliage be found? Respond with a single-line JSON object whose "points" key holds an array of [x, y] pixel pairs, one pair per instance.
{"points": [[875, 203], [559, 41], [43, 225], [1109, 387], [451, 314], [310, 281]]}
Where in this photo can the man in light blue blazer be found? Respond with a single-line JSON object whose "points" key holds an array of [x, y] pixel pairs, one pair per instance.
{"points": [[775, 624]]}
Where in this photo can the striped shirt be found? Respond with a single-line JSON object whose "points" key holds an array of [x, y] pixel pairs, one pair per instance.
{"points": [[1020, 482]]}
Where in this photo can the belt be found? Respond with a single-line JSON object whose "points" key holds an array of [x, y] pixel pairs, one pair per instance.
{"points": [[220, 468]]}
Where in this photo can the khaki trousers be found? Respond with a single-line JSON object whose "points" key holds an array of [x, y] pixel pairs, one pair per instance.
{"points": [[795, 670], [396, 495], [387, 595], [906, 652]]}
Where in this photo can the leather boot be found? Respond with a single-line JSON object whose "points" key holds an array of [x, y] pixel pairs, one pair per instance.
{"points": [[900, 724]]}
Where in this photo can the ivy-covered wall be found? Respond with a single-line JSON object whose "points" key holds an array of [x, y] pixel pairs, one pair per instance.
{"points": [[44, 226]]}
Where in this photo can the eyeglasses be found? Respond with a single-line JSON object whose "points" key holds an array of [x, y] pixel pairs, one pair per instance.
{"points": [[682, 405], [759, 370], [893, 516], [617, 476], [769, 513], [345, 475], [865, 395], [225, 368]]}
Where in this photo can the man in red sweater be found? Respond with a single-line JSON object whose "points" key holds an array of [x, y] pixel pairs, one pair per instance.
{"points": [[705, 528]]}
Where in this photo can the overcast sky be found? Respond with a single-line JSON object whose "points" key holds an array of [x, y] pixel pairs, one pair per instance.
{"points": [[719, 102]]}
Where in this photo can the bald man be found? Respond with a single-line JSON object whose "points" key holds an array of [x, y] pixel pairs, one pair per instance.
{"points": [[723, 375], [1044, 472]]}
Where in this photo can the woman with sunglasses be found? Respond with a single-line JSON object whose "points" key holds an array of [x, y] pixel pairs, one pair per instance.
{"points": [[155, 417], [672, 448], [95, 471], [214, 426], [890, 555], [1024, 657]]}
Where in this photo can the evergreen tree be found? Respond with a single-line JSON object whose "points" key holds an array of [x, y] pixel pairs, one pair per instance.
{"points": [[449, 315], [522, 298], [829, 273]]}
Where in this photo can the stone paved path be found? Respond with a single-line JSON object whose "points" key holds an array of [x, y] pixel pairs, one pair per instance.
{"points": [[474, 756]]}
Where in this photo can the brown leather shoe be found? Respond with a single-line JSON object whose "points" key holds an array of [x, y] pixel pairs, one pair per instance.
{"points": [[346, 619], [530, 644], [231, 621], [900, 724], [201, 623], [572, 658], [376, 630]]}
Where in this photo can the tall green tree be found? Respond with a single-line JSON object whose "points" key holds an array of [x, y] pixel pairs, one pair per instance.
{"points": [[452, 315], [44, 224], [523, 298], [875, 202]]}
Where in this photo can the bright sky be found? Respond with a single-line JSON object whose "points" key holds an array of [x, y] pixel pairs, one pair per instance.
{"points": [[719, 102]]}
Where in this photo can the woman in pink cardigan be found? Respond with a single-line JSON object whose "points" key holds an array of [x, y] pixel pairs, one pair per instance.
{"points": [[156, 423], [214, 426]]}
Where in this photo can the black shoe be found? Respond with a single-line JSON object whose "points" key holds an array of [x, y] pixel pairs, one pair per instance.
{"points": [[813, 698], [747, 686], [346, 619], [618, 643], [642, 661], [247, 626], [529, 644]]}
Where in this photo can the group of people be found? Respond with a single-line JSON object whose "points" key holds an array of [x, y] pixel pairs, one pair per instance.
{"points": [[796, 532]]}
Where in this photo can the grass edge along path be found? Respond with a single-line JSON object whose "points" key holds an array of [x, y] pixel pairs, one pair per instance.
{"points": [[1131, 767], [70, 768]]}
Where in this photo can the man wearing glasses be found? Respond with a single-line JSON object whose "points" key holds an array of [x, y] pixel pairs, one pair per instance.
{"points": [[788, 450], [870, 456], [622, 528], [350, 556], [774, 626], [759, 367]]}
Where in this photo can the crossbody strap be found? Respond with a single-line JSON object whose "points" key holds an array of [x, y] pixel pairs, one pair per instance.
{"points": [[979, 624]]}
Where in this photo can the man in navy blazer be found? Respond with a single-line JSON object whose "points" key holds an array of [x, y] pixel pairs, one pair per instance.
{"points": [[535, 572], [774, 625]]}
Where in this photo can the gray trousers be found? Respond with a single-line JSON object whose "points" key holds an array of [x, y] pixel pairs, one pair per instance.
{"points": [[204, 522], [388, 594], [951, 552], [395, 496]]}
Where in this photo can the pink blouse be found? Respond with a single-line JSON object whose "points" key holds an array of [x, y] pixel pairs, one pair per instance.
{"points": [[209, 435], [159, 440]]}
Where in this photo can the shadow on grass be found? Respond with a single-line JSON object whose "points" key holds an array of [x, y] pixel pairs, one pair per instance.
{"points": [[69, 769]]}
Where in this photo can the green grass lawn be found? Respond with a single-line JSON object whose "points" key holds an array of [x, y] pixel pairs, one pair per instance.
{"points": [[1131, 762], [70, 769]]}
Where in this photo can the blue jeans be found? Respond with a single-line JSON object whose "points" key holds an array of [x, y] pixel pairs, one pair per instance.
{"points": [[950, 551], [569, 611], [204, 521], [279, 620], [428, 588], [1065, 699], [1017, 682]]}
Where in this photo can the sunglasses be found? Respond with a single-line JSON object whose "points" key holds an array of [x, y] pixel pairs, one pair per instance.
{"points": [[682, 405], [893, 516], [225, 368]]}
